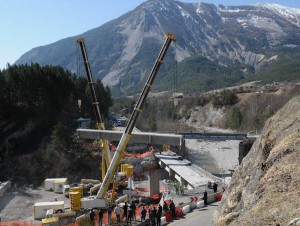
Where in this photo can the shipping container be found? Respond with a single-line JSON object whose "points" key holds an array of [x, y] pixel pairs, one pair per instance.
{"points": [[49, 183]]}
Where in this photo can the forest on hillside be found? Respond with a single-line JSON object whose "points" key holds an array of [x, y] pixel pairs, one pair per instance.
{"points": [[38, 113]]}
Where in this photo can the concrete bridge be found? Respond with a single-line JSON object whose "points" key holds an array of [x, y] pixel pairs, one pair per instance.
{"points": [[182, 170], [213, 135], [186, 173], [174, 139], [177, 139], [136, 137]]}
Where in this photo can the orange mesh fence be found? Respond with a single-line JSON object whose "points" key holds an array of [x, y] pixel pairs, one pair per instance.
{"points": [[136, 155], [18, 223], [162, 188], [148, 153], [104, 221]]}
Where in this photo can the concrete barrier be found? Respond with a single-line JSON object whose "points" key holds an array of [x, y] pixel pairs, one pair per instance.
{"points": [[186, 209], [193, 205], [200, 204], [4, 186], [212, 197], [163, 220]]}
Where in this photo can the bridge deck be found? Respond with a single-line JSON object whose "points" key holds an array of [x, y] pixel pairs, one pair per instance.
{"points": [[137, 137], [213, 135], [184, 169]]}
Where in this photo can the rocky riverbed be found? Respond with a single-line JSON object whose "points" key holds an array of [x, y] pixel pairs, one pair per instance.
{"points": [[215, 156]]}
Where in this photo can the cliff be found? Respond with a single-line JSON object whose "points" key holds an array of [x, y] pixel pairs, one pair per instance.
{"points": [[265, 188]]}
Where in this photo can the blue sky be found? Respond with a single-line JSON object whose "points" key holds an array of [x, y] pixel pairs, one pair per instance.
{"points": [[26, 24]]}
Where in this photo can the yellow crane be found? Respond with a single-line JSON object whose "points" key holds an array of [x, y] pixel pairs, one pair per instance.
{"points": [[104, 144], [100, 124], [99, 200]]}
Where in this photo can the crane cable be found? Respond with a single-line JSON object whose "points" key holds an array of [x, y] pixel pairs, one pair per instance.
{"points": [[175, 69], [77, 61], [175, 78]]}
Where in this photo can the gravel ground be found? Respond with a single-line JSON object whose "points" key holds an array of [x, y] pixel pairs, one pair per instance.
{"points": [[17, 204], [217, 156], [214, 156]]}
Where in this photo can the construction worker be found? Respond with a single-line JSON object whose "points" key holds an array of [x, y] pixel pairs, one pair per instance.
{"points": [[117, 211], [133, 207], [109, 210], [215, 187], [143, 214], [158, 215], [172, 208], [92, 216], [125, 208], [130, 215], [205, 197], [100, 219], [209, 184], [165, 206], [176, 185], [181, 189], [152, 216]]}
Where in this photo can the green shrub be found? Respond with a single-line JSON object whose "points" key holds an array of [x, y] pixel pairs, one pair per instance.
{"points": [[235, 118], [224, 98]]}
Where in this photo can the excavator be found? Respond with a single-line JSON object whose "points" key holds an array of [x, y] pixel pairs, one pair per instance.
{"points": [[100, 201]]}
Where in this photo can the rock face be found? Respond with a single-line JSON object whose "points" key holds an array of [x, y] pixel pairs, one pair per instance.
{"points": [[265, 188]]}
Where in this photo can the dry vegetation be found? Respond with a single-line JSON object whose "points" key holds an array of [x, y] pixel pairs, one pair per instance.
{"points": [[242, 108], [265, 188]]}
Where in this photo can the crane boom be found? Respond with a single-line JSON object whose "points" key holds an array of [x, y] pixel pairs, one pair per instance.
{"points": [[131, 123], [95, 103]]}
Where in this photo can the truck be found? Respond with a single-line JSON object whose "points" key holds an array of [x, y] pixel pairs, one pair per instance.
{"points": [[59, 217]]}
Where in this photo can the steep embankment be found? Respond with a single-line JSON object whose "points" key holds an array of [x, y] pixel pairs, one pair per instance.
{"points": [[265, 188]]}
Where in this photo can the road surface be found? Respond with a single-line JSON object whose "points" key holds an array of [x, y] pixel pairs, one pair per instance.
{"points": [[199, 217]]}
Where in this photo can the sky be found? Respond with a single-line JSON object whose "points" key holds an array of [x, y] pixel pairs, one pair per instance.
{"points": [[26, 24]]}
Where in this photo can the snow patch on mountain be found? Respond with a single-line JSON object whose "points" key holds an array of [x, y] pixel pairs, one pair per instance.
{"points": [[291, 14], [199, 8]]}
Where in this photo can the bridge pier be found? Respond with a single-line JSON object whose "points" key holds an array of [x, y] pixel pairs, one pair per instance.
{"points": [[182, 181], [171, 172], [162, 164], [153, 179]]}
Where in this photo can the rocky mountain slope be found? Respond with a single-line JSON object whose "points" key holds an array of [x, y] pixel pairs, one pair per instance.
{"points": [[216, 45], [265, 188]]}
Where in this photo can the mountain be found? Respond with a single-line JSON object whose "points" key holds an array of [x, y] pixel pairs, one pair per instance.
{"points": [[216, 46]]}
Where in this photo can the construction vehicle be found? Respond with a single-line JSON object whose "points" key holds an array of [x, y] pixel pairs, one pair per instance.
{"points": [[59, 217], [120, 176], [84, 187], [100, 201], [100, 124]]}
